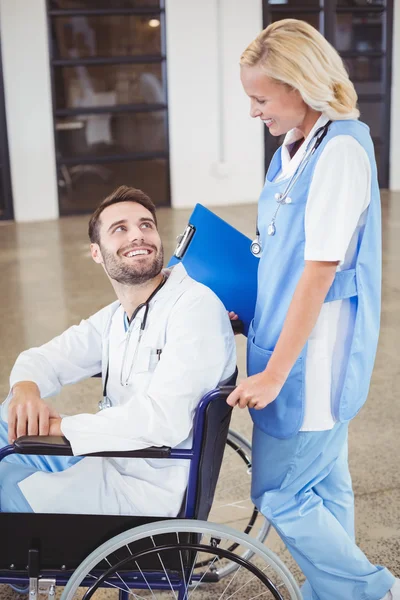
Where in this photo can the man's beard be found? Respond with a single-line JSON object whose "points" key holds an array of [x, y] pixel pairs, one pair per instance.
{"points": [[134, 274]]}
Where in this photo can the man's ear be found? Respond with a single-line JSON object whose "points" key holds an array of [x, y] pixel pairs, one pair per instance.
{"points": [[96, 254]]}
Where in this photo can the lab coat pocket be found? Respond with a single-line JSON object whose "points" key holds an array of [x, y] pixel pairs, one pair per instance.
{"points": [[155, 356], [142, 362], [283, 417]]}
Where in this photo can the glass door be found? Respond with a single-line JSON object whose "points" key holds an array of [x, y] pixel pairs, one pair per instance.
{"points": [[6, 209], [361, 31], [108, 64]]}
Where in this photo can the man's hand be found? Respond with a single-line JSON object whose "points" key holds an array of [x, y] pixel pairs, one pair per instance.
{"points": [[55, 426], [28, 414], [256, 391]]}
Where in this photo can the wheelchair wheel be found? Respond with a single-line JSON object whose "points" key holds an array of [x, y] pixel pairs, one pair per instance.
{"points": [[232, 505], [19, 589], [158, 560]]}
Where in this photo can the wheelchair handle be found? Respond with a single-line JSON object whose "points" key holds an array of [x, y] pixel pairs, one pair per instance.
{"points": [[226, 390], [237, 326]]}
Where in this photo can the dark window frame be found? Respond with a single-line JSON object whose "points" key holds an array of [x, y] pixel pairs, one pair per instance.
{"points": [[55, 63], [328, 10], [6, 213]]}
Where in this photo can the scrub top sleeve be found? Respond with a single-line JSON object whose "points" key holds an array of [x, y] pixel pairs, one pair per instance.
{"points": [[339, 193], [198, 354]]}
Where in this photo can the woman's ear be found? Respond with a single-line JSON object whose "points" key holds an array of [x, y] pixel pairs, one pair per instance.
{"points": [[96, 253]]}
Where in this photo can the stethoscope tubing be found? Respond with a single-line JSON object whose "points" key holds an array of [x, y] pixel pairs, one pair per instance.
{"points": [[318, 137], [106, 403]]}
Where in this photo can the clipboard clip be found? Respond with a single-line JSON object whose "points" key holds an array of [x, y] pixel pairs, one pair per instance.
{"points": [[184, 240]]}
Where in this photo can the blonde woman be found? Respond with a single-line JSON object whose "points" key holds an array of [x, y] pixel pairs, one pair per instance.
{"points": [[312, 344]]}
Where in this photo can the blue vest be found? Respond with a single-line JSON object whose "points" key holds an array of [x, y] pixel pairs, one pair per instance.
{"points": [[280, 268]]}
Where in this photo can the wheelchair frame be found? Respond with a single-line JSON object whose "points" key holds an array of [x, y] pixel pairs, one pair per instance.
{"points": [[41, 549]]}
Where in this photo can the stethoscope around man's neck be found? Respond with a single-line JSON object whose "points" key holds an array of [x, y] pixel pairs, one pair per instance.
{"points": [[283, 198], [105, 402]]}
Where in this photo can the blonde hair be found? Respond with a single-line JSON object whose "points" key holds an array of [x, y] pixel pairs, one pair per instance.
{"points": [[296, 54]]}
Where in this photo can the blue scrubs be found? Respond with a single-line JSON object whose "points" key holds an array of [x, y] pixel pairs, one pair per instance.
{"points": [[16, 467], [301, 481], [303, 487]]}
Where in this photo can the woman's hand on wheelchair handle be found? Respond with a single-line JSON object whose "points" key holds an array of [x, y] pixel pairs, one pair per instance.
{"points": [[256, 391], [28, 414]]}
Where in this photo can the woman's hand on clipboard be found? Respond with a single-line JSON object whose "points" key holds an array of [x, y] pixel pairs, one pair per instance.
{"points": [[256, 391]]}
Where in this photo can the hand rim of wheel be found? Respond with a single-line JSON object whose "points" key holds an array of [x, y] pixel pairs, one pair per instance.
{"points": [[183, 526], [220, 552]]}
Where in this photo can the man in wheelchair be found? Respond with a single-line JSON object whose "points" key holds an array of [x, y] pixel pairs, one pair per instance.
{"points": [[160, 347]]}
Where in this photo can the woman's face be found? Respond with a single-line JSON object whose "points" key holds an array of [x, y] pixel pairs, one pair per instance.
{"points": [[280, 107]]}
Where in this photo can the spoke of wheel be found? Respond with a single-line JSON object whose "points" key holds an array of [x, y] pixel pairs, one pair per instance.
{"points": [[234, 504], [121, 580], [117, 587], [166, 574], [180, 556], [143, 575], [247, 583], [202, 577], [230, 582], [258, 595], [141, 572], [191, 572]]}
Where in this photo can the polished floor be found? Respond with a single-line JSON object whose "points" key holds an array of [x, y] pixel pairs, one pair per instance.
{"points": [[49, 282]]}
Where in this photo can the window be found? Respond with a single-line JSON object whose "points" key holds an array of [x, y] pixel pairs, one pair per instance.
{"points": [[109, 96], [361, 31], [6, 210]]}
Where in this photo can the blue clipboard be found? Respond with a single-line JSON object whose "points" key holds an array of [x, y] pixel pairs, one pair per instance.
{"points": [[218, 255]]}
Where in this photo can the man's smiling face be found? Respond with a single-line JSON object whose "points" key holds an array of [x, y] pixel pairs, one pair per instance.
{"points": [[130, 247]]}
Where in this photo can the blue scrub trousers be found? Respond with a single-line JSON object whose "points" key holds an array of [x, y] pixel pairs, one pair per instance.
{"points": [[303, 487], [16, 467]]}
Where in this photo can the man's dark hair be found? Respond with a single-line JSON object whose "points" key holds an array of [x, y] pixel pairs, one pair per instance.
{"points": [[121, 194]]}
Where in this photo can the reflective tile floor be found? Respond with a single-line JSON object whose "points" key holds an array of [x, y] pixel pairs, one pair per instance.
{"points": [[49, 282]]}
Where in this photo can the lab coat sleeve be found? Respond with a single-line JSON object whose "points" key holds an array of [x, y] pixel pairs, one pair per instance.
{"points": [[72, 356], [199, 352]]}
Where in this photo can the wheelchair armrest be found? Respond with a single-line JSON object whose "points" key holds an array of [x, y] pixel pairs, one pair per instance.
{"points": [[52, 445]]}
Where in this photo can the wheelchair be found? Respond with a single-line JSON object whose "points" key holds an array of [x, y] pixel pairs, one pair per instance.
{"points": [[181, 558]]}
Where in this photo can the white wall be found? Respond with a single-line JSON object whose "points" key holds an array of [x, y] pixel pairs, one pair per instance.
{"points": [[395, 113], [27, 89], [216, 149]]}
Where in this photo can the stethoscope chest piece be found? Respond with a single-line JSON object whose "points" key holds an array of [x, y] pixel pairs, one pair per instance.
{"points": [[105, 402], [256, 247], [283, 198]]}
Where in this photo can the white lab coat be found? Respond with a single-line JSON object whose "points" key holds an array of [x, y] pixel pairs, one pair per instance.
{"points": [[191, 327]]}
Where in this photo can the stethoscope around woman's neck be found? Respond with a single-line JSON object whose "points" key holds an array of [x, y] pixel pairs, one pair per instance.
{"points": [[283, 198], [105, 402]]}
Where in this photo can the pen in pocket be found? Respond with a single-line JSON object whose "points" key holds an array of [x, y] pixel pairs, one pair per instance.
{"points": [[158, 352]]}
